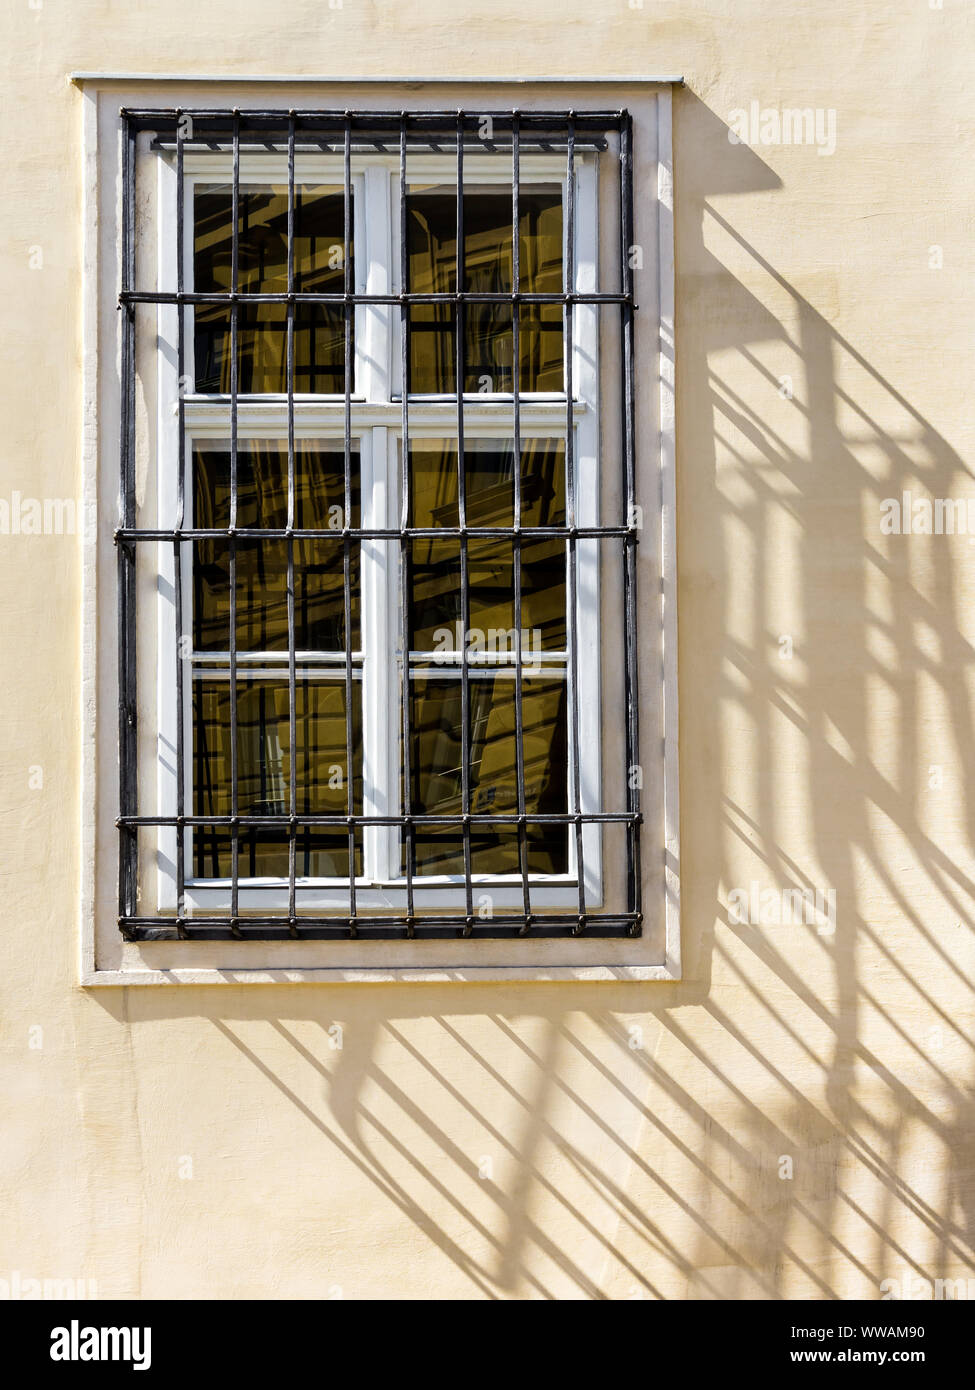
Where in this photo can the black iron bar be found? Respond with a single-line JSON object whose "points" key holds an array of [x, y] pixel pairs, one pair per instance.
{"points": [[127, 534], [126, 568], [232, 539], [177, 543], [630, 540], [572, 629], [460, 372], [311, 819], [220, 118], [364, 146], [292, 682], [516, 517], [266, 927], [354, 297]]}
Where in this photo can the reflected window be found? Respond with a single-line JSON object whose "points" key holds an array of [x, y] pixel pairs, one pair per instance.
{"points": [[437, 783], [488, 268], [435, 588], [264, 772], [263, 742], [262, 564], [439, 634], [262, 268]]}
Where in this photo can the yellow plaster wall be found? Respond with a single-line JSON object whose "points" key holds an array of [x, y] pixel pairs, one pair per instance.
{"points": [[568, 1140]]}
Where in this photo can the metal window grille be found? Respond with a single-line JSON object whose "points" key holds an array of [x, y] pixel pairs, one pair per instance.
{"points": [[334, 132]]}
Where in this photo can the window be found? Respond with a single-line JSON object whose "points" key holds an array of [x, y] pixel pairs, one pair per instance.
{"points": [[377, 551]]}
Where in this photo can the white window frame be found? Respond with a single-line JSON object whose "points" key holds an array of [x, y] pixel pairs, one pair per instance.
{"points": [[376, 419], [376, 426]]}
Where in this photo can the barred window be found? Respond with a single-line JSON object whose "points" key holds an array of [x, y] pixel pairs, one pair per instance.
{"points": [[377, 569]]}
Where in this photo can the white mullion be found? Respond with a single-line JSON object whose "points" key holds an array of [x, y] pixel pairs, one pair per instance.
{"points": [[375, 672], [585, 379], [167, 450], [372, 381]]}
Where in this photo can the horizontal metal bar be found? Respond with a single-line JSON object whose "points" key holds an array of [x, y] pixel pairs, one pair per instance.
{"points": [[285, 822], [529, 533], [324, 665], [230, 297], [393, 121], [428, 666], [547, 407], [277, 672], [302, 657], [378, 928], [417, 143]]}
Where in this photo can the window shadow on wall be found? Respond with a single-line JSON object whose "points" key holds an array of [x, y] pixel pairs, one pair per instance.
{"points": [[597, 1141]]}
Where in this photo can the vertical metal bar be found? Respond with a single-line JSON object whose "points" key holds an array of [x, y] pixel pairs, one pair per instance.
{"points": [[232, 537], [347, 504], [177, 544], [460, 323], [631, 692], [292, 683], [404, 558], [572, 626], [128, 761], [516, 539]]}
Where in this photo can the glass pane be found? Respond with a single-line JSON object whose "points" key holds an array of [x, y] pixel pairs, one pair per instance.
{"points": [[488, 269], [436, 713], [435, 614], [262, 565], [491, 575], [262, 259], [263, 774], [435, 598]]}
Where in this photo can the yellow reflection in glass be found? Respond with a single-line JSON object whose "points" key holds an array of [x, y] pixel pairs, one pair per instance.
{"points": [[435, 596], [264, 774], [488, 268], [262, 258], [437, 760], [262, 564]]}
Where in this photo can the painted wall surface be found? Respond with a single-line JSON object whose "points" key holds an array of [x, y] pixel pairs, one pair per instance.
{"points": [[797, 1117]]}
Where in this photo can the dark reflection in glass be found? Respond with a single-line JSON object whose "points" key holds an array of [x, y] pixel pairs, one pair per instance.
{"points": [[263, 774], [436, 713], [435, 596], [262, 565], [262, 257], [488, 269]]}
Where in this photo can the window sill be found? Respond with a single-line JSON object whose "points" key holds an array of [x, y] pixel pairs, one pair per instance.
{"points": [[379, 974]]}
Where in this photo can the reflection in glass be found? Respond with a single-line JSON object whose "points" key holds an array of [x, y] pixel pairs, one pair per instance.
{"points": [[262, 565], [263, 773], [435, 595], [436, 712], [488, 268], [262, 258]]}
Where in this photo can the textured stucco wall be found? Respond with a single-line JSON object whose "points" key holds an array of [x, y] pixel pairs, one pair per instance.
{"points": [[569, 1140]]}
